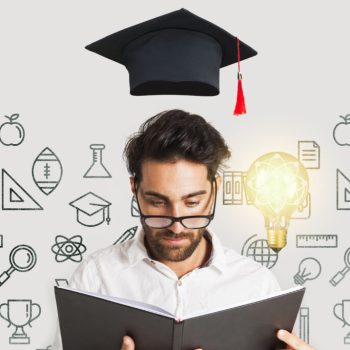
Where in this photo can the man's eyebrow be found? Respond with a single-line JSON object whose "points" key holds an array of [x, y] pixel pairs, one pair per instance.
{"points": [[159, 195]]}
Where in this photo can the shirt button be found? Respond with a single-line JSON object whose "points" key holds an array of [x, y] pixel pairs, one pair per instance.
{"points": [[179, 283]]}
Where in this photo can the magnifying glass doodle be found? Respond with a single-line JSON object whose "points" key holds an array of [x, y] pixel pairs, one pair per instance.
{"points": [[341, 274], [22, 258]]}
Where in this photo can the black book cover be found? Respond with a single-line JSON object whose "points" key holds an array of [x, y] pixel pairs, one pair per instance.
{"points": [[90, 322]]}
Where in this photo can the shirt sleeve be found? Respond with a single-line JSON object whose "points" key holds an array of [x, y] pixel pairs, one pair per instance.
{"points": [[84, 278], [270, 284]]}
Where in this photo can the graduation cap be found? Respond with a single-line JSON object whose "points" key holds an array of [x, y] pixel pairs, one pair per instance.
{"points": [[178, 53], [91, 209]]}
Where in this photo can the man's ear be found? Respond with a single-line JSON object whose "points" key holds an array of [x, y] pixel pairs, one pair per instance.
{"points": [[218, 181], [132, 184]]}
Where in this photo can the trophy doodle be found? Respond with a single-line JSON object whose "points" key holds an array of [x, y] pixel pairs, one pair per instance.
{"points": [[342, 312], [19, 313]]}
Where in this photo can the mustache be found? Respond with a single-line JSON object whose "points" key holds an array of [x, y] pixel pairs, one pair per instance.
{"points": [[170, 234]]}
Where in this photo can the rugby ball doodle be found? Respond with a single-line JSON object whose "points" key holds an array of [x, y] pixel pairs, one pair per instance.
{"points": [[47, 171]]}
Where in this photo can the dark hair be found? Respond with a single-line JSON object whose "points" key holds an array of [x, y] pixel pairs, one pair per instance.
{"points": [[173, 135]]}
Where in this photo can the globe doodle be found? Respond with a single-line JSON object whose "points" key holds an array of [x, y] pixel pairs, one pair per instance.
{"points": [[260, 252], [68, 248]]}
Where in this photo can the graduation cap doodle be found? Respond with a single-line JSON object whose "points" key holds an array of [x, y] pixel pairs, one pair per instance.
{"points": [[91, 209], [178, 53]]}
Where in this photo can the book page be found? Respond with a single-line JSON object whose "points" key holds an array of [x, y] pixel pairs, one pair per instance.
{"points": [[128, 302], [210, 310]]}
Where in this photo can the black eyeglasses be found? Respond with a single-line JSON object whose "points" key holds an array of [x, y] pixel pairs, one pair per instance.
{"points": [[163, 221]]}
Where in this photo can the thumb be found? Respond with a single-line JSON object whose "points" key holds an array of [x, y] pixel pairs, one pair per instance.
{"points": [[128, 343]]}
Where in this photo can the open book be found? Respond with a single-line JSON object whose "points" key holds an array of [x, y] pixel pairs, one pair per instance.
{"points": [[91, 321]]}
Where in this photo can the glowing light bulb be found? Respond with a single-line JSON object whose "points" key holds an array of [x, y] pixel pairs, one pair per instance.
{"points": [[277, 184]]}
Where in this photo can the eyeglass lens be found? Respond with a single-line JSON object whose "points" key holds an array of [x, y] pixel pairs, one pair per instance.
{"points": [[161, 222]]}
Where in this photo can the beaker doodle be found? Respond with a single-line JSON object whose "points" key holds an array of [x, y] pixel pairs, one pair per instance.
{"points": [[97, 169]]}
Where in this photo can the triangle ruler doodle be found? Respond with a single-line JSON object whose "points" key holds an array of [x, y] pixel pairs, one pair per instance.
{"points": [[343, 191], [14, 196]]}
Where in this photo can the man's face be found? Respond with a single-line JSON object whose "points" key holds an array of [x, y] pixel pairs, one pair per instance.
{"points": [[174, 189]]}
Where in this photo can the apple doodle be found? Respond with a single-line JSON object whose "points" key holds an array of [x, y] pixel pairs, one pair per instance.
{"points": [[341, 132], [11, 133]]}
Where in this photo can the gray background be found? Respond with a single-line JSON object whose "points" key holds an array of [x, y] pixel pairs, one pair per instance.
{"points": [[68, 98]]}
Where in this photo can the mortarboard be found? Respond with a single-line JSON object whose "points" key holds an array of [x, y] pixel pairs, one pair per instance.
{"points": [[91, 209], [178, 53]]}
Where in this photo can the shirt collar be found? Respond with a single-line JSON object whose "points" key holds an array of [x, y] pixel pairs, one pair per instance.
{"points": [[138, 252], [217, 257]]}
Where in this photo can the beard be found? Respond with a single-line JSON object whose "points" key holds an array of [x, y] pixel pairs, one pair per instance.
{"points": [[162, 251]]}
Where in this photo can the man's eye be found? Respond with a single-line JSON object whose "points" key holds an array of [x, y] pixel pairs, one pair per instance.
{"points": [[157, 203], [193, 203]]}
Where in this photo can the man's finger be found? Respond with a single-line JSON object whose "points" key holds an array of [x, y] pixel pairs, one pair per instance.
{"points": [[293, 341], [128, 343]]}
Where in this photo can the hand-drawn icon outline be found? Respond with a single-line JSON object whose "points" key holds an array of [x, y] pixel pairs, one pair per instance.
{"points": [[342, 191], [19, 313], [309, 269], [11, 133], [97, 168], [90, 209], [316, 241], [259, 250], [61, 282], [339, 276], [22, 259], [304, 324], [128, 234], [304, 209], [68, 248], [47, 171], [309, 154], [14, 196], [341, 132], [134, 208], [343, 315]]}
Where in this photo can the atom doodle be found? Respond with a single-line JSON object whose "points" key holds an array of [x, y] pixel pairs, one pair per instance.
{"points": [[68, 248]]}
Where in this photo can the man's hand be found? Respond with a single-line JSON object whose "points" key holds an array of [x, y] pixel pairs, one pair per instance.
{"points": [[128, 344], [293, 341]]}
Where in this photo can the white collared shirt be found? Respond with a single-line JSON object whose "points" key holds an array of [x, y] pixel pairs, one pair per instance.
{"points": [[126, 271]]}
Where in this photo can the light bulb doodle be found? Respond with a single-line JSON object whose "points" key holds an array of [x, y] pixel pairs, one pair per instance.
{"points": [[309, 269], [277, 183]]}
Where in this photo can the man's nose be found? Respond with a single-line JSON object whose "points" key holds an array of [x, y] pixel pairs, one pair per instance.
{"points": [[176, 227]]}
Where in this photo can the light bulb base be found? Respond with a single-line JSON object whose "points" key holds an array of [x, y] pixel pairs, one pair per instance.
{"points": [[277, 239], [298, 279]]}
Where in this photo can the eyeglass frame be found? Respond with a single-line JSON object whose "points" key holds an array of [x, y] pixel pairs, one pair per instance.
{"points": [[173, 219]]}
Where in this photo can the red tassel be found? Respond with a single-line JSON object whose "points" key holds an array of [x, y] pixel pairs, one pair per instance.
{"points": [[240, 103]]}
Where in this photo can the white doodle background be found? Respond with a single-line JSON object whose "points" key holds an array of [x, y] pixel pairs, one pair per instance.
{"points": [[68, 98]]}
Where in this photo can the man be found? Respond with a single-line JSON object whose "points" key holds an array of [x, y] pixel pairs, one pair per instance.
{"points": [[175, 261]]}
